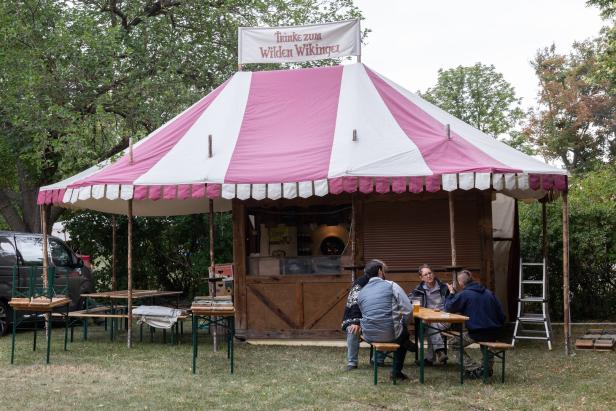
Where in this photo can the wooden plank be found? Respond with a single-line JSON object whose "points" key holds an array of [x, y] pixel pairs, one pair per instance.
{"points": [[581, 344], [273, 308]]}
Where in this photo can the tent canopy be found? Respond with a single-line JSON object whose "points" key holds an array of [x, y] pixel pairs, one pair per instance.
{"points": [[302, 133]]}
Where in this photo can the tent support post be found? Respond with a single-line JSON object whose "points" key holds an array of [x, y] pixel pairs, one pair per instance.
{"points": [[566, 311], [114, 284], [212, 270], [43, 214], [354, 237], [130, 273], [452, 236]]}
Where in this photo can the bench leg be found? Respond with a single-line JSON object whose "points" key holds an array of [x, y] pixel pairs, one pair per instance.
{"points": [[485, 353], [376, 368], [503, 368], [35, 332], [394, 374]]}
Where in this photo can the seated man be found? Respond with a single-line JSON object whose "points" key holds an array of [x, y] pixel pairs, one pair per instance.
{"points": [[486, 317], [351, 325], [385, 311], [432, 293]]}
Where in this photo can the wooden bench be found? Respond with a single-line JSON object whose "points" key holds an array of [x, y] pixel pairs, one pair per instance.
{"points": [[493, 350], [387, 349]]}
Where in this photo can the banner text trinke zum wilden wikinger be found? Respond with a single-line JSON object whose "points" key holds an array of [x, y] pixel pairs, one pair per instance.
{"points": [[299, 43]]}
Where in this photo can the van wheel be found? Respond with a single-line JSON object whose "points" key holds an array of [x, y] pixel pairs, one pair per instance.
{"points": [[5, 315]]}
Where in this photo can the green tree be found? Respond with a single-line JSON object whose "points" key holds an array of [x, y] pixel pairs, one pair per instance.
{"points": [[592, 245], [78, 78], [478, 95], [574, 121]]}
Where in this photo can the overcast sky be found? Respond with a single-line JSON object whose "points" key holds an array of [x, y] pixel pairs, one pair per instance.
{"points": [[412, 39]]}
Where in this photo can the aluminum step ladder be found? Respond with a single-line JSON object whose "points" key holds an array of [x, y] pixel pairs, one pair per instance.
{"points": [[533, 319]]}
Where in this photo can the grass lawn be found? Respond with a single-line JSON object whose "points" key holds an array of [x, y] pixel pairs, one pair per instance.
{"points": [[99, 374]]}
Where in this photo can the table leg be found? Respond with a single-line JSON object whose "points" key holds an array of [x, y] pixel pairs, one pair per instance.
{"points": [[35, 332], [66, 327], [233, 348], [421, 352], [14, 332], [461, 354], [194, 343], [85, 321], [416, 339], [49, 327]]}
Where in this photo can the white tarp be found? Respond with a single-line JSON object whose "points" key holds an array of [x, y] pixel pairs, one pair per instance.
{"points": [[157, 316], [299, 43]]}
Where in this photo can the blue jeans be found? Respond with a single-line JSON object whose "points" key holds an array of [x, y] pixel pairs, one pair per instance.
{"points": [[353, 350]]}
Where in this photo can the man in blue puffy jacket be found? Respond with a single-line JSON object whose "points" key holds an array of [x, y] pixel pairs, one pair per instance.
{"points": [[486, 317]]}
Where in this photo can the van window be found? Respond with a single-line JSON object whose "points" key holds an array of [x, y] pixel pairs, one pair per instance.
{"points": [[7, 253], [31, 249], [60, 256]]}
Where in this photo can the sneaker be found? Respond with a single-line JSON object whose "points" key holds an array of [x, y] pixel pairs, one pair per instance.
{"points": [[351, 367], [400, 376], [441, 357], [426, 363]]}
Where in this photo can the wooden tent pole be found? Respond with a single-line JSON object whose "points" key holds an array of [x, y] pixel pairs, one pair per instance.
{"points": [[452, 236], [130, 273], [114, 283], [354, 237], [212, 271], [43, 214], [566, 311]]}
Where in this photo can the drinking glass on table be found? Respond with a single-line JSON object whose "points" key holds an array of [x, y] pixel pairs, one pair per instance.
{"points": [[416, 304]]}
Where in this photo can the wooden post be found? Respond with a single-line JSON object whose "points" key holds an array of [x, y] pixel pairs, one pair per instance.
{"points": [[43, 214], [353, 237], [544, 229], [114, 280], [566, 311], [130, 273], [452, 237], [239, 263], [212, 270]]}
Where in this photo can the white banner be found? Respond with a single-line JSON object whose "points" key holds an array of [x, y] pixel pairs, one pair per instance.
{"points": [[298, 43]]}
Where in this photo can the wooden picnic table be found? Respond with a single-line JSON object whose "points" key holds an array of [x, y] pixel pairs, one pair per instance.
{"points": [[212, 314], [423, 320], [40, 305], [115, 312]]}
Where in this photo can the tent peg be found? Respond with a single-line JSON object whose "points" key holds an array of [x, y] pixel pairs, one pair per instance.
{"points": [[354, 135]]}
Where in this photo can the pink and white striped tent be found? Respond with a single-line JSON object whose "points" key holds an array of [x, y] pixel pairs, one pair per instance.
{"points": [[302, 133]]}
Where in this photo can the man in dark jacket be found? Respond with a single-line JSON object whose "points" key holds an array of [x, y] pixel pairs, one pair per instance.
{"points": [[432, 293], [350, 322], [486, 317]]}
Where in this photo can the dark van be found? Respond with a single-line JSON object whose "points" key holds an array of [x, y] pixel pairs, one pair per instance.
{"points": [[25, 250]]}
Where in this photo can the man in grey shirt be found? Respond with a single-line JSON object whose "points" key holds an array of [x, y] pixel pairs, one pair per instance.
{"points": [[385, 310]]}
